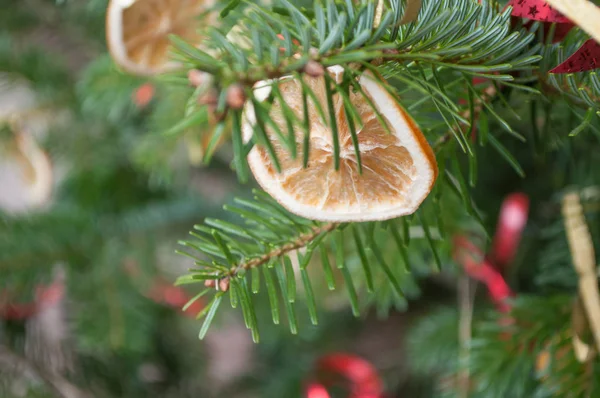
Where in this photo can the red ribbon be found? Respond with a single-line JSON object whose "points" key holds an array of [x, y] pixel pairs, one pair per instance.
{"points": [[539, 10], [362, 376], [488, 269], [513, 217], [536, 10], [586, 58]]}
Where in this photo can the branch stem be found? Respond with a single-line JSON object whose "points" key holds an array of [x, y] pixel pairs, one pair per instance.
{"points": [[299, 243]]}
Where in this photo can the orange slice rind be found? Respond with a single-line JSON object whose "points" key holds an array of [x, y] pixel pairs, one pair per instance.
{"points": [[137, 31], [398, 167]]}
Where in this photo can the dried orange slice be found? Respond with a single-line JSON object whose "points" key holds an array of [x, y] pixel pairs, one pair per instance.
{"points": [[398, 168], [26, 175], [137, 31]]}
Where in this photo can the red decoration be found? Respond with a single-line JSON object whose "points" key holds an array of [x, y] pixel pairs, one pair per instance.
{"points": [[143, 95], [584, 59], [561, 30], [479, 268], [45, 296], [524, 9], [17, 311], [536, 10], [362, 375], [513, 217], [174, 297], [316, 390], [487, 269]]}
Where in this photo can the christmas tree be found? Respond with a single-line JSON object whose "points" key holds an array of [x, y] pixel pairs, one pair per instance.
{"points": [[386, 198]]}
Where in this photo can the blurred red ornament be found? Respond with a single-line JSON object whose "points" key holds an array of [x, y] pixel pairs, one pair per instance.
{"points": [[479, 268], [175, 297], [584, 59], [143, 95], [362, 376], [164, 293], [513, 217], [316, 390], [45, 296], [487, 269], [17, 311]]}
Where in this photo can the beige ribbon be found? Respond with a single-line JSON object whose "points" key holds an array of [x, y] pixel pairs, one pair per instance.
{"points": [[584, 261], [583, 12], [583, 351]]}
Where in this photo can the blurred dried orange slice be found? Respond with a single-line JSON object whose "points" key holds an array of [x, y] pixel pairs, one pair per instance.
{"points": [[137, 31], [26, 175], [398, 168]]}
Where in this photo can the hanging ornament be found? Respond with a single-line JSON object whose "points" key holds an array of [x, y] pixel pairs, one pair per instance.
{"points": [[487, 268], [398, 167], [47, 332], [586, 58], [479, 268], [26, 174], [137, 31], [358, 375]]}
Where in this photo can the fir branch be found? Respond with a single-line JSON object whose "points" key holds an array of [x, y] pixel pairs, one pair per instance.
{"points": [[226, 255], [476, 106], [504, 356], [581, 89], [451, 36]]}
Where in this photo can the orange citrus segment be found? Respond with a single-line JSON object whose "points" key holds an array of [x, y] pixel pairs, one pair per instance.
{"points": [[398, 168], [137, 31]]}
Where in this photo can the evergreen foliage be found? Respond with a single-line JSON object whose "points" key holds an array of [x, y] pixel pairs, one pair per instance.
{"points": [[127, 188]]}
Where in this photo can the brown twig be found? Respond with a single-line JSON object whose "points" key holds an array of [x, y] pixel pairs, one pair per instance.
{"points": [[299, 243]]}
